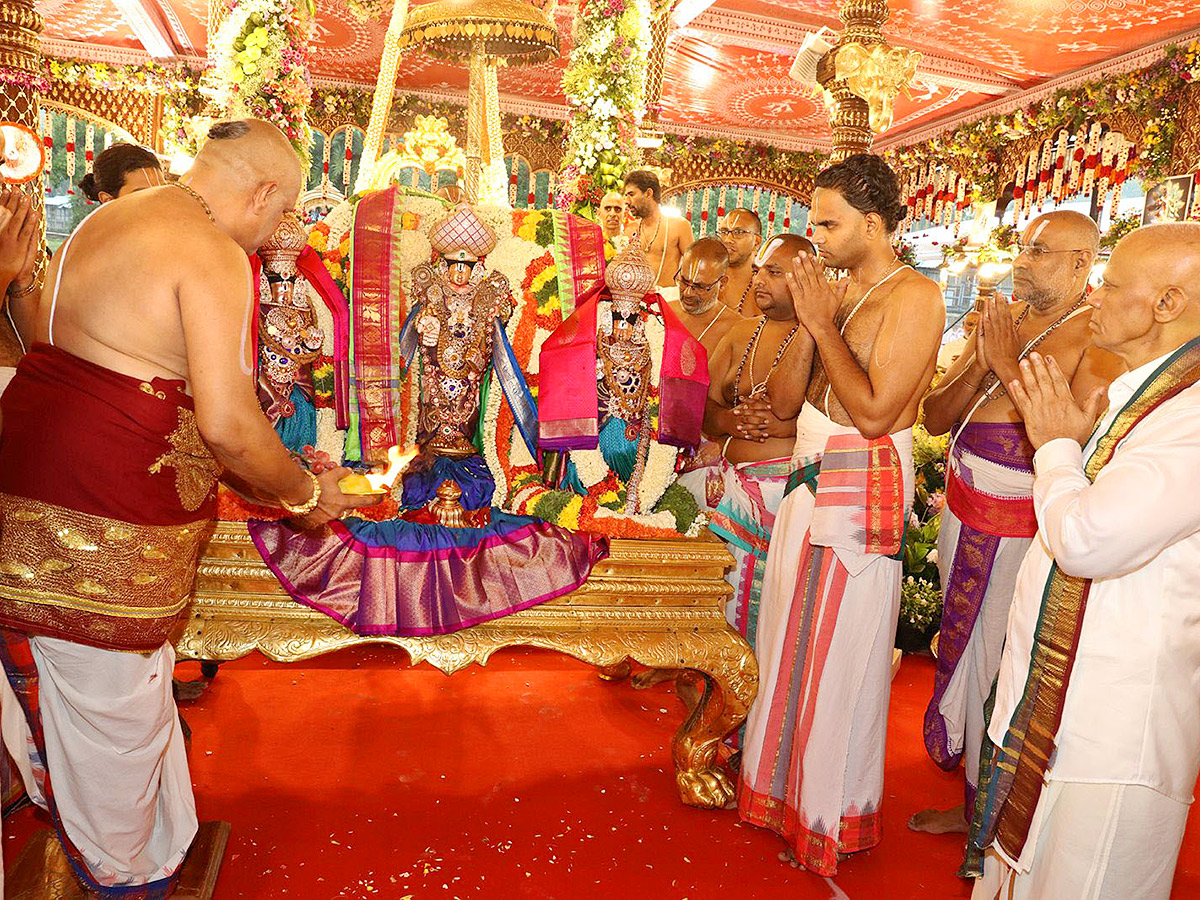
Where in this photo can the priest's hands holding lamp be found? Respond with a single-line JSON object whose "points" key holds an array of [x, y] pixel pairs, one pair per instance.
{"points": [[1043, 396]]}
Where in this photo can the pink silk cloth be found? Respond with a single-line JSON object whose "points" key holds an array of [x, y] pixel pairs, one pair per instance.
{"points": [[568, 401]]}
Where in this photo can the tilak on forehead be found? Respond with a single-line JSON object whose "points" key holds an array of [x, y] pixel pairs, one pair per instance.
{"points": [[1037, 232], [765, 251]]}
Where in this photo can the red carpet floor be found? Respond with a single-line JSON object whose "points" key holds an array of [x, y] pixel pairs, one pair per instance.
{"points": [[356, 775]]}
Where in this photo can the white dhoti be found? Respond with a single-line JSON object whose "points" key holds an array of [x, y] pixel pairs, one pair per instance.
{"points": [[812, 766], [1091, 842], [986, 526], [115, 756]]}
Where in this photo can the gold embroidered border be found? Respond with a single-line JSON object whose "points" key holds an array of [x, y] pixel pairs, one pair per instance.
{"points": [[93, 578]]}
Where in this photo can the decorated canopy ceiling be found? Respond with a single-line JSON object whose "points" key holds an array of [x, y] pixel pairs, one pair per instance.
{"points": [[726, 71]]}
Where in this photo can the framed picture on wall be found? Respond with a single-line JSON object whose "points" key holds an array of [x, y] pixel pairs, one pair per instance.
{"points": [[1168, 201]]}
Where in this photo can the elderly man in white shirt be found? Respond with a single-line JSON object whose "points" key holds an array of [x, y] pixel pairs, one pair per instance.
{"points": [[1094, 742]]}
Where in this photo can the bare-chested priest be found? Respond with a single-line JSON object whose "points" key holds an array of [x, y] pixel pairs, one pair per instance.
{"points": [[812, 765], [700, 276], [663, 238], [741, 233], [744, 486], [988, 522], [117, 426]]}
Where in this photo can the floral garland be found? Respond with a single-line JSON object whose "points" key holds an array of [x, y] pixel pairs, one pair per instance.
{"points": [[19, 78], [179, 86], [1152, 95], [1002, 245], [724, 155], [605, 86], [261, 66]]}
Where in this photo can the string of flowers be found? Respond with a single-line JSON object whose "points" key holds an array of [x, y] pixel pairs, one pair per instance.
{"points": [[723, 154], [605, 86], [261, 66], [1152, 95]]}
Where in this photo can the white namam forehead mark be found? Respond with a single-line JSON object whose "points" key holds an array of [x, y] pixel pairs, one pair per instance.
{"points": [[1037, 231], [764, 252]]}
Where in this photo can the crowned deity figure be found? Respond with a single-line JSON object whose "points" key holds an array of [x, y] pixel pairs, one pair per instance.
{"points": [[445, 557], [459, 307], [454, 342], [646, 399], [289, 336]]}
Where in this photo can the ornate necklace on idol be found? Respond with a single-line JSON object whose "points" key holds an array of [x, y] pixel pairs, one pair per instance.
{"points": [[625, 364], [460, 339]]}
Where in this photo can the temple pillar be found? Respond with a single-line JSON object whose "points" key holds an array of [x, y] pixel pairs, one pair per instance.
{"points": [[862, 76]]}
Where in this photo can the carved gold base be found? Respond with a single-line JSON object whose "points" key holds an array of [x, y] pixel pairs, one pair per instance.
{"points": [[660, 603]]}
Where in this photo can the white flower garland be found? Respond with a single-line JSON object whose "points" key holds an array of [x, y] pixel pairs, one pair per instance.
{"points": [[511, 258], [415, 250], [590, 466], [490, 415], [500, 220], [339, 221], [329, 438]]}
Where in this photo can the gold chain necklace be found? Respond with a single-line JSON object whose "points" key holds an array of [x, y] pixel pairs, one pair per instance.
{"points": [[192, 193]]}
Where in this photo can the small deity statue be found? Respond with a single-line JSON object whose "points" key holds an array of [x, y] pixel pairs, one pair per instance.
{"points": [[459, 308], [289, 337], [647, 397]]}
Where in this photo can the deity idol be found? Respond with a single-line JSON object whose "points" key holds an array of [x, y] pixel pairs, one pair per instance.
{"points": [[458, 308], [645, 401], [289, 338], [447, 559], [455, 335]]}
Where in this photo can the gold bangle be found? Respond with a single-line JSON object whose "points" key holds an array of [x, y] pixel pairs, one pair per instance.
{"points": [[309, 505]]}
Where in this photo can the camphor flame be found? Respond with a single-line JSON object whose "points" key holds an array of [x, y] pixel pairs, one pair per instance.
{"points": [[397, 462]]}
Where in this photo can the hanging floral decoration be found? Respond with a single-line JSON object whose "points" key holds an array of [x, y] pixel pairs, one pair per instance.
{"points": [[1120, 227], [725, 155], [179, 86], [261, 66], [1152, 95], [605, 86]]}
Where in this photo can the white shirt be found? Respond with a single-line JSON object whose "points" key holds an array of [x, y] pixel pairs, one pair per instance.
{"points": [[1132, 710]]}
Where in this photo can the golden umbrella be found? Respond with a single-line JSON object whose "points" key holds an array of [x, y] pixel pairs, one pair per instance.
{"points": [[484, 33]]}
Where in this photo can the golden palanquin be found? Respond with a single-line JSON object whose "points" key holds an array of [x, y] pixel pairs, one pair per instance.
{"points": [[660, 603]]}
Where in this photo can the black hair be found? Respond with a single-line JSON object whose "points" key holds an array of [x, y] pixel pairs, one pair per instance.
{"points": [[645, 180], [868, 184], [112, 165], [226, 131]]}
